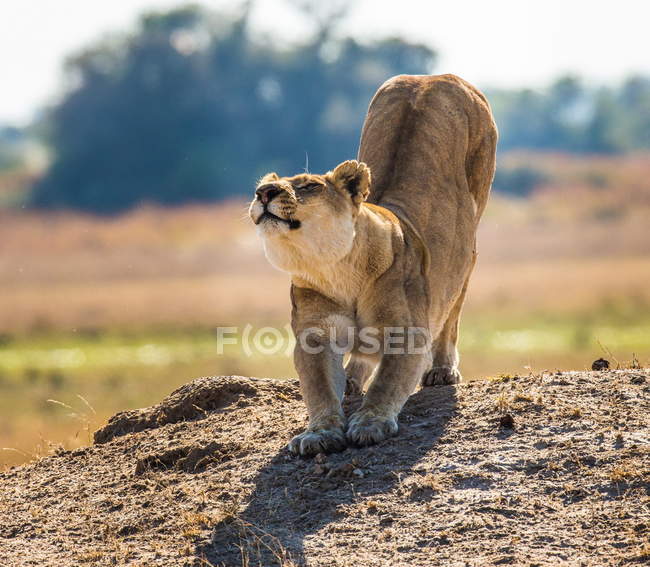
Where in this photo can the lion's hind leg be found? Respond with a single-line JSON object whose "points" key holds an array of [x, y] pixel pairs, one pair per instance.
{"points": [[445, 364], [444, 369], [358, 370]]}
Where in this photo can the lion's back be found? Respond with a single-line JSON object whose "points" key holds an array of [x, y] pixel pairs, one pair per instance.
{"points": [[425, 135]]}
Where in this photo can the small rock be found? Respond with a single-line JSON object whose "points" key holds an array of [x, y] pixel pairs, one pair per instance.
{"points": [[127, 530], [320, 458], [320, 469], [358, 472], [344, 470], [638, 379], [640, 527], [507, 421], [600, 364]]}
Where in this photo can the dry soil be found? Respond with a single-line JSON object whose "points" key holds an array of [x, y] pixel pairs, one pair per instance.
{"points": [[549, 469]]}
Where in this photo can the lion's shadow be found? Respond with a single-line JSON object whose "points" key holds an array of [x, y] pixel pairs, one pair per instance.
{"points": [[295, 498]]}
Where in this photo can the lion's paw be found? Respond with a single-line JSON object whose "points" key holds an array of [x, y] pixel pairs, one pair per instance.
{"points": [[441, 375], [314, 441], [367, 428]]}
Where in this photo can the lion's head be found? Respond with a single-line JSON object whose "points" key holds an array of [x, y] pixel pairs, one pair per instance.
{"points": [[307, 218]]}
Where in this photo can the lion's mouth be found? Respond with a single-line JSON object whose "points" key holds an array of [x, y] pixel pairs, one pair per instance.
{"points": [[293, 224]]}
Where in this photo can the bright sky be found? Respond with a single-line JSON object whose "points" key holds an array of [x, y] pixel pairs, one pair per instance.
{"points": [[490, 43]]}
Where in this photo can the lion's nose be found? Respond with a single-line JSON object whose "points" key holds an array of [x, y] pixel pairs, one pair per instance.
{"points": [[267, 193]]}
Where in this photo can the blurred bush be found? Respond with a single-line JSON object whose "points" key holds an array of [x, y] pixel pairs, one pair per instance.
{"points": [[518, 181], [570, 117]]}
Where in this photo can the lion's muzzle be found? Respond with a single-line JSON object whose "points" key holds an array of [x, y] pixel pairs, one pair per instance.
{"points": [[267, 193], [275, 204]]}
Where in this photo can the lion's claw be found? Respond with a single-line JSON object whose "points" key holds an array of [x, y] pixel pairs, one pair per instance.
{"points": [[312, 442], [367, 428], [441, 375]]}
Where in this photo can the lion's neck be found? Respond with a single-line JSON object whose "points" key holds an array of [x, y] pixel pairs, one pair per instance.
{"points": [[370, 256]]}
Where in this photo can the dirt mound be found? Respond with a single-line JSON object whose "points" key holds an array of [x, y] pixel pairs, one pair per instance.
{"points": [[552, 469], [192, 401]]}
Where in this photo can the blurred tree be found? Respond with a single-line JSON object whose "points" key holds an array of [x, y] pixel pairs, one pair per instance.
{"points": [[569, 117], [190, 109], [10, 150], [518, 181], [634, 128]]}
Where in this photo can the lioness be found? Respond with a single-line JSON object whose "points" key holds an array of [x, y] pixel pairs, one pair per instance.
{"points": [[394, 253]]}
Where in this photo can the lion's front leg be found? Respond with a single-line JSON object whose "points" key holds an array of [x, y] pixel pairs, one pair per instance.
{"points": [[397, 378], [322, 381]]}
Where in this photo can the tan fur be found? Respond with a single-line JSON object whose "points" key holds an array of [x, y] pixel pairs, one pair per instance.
{"points": [[401, 259]]}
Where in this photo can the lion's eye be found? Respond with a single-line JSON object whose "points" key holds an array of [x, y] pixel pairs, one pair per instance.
{"points": [[310, 187]]}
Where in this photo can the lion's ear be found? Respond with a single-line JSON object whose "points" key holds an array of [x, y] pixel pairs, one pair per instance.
{"points": [[354, 177], [269, 178]]}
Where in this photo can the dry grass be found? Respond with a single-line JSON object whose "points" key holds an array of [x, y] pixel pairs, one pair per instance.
{"points": [[195, 266], [202, 265], [623, 472], [596, 188], [434, 482], [149, 269]]}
